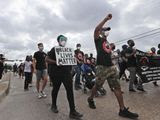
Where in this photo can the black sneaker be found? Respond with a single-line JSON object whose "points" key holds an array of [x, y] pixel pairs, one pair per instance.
{"points": [[127, 114], [155, 84], [132, 90], [127, 80], [141, 89], [54, 109], [78, 87], [75, 115], [91, 103]]}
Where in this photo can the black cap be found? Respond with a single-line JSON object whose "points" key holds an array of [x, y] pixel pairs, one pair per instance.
{"points": [[106, 29], [78, 45]]}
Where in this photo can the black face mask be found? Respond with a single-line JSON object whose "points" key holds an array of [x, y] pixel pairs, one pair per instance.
{"points": [[113, 48], [132, 44]]}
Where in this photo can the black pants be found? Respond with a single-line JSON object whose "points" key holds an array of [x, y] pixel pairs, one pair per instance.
{"points": [[123, 67], [28, 77], [1, 72], [68, 84]]}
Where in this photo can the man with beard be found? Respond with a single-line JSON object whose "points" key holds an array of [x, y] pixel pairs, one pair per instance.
{"points": [[105, 69]]}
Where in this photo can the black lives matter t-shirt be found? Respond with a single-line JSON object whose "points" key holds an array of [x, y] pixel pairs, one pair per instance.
{"points": [[103, 58], [40, 60], [58, 70]]}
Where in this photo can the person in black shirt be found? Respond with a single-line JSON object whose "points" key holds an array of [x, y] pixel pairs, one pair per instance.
{"points": [[131, 64], [123, 64], [40, 69], [1, 65], [58, 75], [158, 52], [105, 69]]}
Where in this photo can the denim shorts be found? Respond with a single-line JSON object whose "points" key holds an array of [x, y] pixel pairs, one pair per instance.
{"points": [[41, 74]]}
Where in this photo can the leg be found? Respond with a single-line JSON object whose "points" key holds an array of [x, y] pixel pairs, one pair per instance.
{"points": [[78, 74], [56, 81], [122, 69], [38, 75], [113, 81], [26, 80], [68, 84], [132, 71], [100, 79], [45, 79]]}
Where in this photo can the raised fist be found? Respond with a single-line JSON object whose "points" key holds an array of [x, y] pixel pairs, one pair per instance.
{"points": [[109, 16]]}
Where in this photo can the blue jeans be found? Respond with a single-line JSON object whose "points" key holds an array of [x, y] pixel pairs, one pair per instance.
{"points": [[78, 74]]}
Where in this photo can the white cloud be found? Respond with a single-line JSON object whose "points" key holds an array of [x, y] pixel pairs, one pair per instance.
{"points": [[24, 23]]}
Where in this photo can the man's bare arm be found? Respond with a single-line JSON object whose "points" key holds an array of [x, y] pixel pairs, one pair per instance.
{"points": [[100, 25]]}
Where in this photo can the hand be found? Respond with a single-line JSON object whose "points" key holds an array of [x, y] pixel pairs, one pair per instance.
{"points": [[60, 64], [109, 16]]}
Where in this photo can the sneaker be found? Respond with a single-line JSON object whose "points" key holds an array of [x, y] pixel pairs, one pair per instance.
{"points": [[132, 90], [91, 103], [78, 87], [141, 89], [75, 115], [155, 84], [39, 96], [54, 109], [43, 94], [127, 114]]}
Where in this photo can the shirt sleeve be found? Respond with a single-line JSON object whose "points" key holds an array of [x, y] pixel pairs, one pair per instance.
{"points": [[52, 54], [35, 55]]}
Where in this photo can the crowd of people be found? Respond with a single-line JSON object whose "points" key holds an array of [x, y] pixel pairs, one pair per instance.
{"points": [[89, 74]]}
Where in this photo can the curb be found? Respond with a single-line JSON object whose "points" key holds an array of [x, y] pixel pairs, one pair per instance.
{"points": [[5, 91]]}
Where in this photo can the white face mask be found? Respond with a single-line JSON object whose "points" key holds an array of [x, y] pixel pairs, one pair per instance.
{"points": [[63, 43], [41, 48], [106, 33], [78, 48]]}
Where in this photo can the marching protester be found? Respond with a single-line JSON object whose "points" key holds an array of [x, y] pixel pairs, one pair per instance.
{"points": [[31, 60], [21, 70], [153, 53], [1, 65], [106, 70], [131, 64], [158, 52], [15, 69], [115, 56], [61, 74], [123, 63], [40, 69], [77, 69], [27, 72]]}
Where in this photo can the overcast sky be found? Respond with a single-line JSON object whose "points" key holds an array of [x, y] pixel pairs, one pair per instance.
{"points": [[24, 23]]}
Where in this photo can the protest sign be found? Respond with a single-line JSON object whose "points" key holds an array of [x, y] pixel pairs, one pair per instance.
{"points": [[65, 56]]}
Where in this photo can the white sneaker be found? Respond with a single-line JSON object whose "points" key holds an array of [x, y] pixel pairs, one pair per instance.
{"points": [[43, 94], [39, 96]]}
